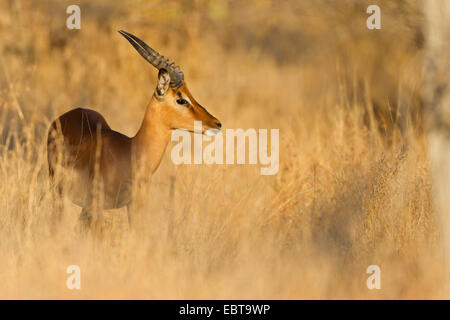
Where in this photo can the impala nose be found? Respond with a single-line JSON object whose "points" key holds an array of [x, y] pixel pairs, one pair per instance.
{"points": [[219, 125]]}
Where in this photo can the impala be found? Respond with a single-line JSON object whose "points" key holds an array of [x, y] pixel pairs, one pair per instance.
{"points": [[93, 151]]}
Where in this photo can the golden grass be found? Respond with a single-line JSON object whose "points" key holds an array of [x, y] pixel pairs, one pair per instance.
{"points": [[353, 187]]}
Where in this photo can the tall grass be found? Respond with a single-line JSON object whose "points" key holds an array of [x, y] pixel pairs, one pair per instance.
{"points": [[353, 187]]}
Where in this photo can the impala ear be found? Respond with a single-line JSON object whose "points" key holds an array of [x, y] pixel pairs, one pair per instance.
{"points": [[163, 82]]}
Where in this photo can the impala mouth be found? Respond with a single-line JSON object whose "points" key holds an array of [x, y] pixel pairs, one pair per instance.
{"points": [[211, 132], [207, 132]]}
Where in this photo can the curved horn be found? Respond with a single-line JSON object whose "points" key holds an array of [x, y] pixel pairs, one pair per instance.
{"points": [[157, 60]]}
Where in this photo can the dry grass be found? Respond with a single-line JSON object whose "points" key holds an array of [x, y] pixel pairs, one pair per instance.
{"points": [[353, 187]]}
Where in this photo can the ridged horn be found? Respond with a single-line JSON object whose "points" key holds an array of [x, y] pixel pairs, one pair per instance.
{"points": [[157, 60]]}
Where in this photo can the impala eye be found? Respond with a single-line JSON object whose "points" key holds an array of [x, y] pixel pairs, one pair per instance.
{"points": [[182, 102]]}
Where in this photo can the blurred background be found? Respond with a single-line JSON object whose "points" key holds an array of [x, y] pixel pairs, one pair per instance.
{"points": [[353, 187], [324, 47]]}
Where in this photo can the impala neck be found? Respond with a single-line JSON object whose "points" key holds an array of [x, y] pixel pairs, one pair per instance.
{"points": [[151, 140]]}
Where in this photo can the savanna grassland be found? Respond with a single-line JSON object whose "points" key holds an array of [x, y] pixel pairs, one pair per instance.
{"points": [[353, 187]]}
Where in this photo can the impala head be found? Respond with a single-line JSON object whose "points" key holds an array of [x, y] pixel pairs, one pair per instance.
{"points": [[178, 107]]}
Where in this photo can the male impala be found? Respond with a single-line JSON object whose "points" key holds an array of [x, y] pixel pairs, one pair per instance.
{"points": [[93, 151]]}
